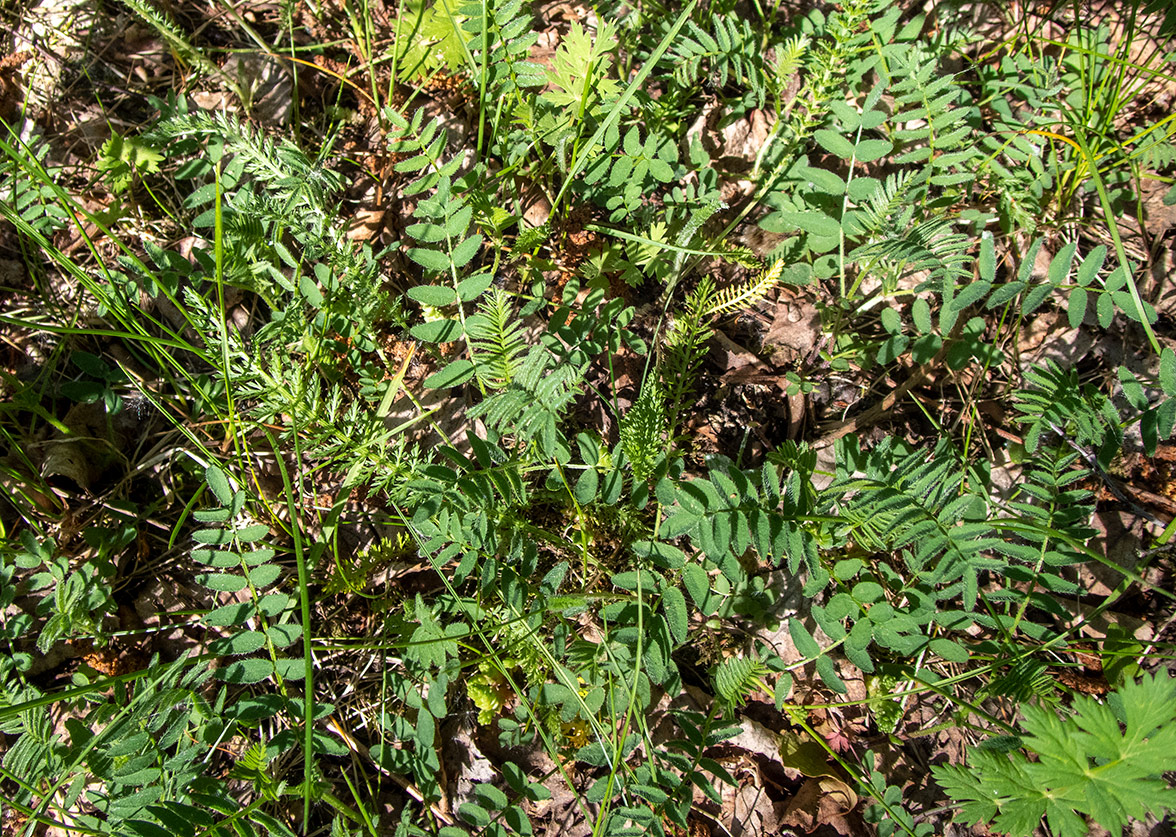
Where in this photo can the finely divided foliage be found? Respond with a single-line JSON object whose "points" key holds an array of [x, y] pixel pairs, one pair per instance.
{"points": [[515, 406]]}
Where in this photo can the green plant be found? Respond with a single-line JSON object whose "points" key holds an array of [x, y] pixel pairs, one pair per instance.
{"points": [[1103, 762], [454, 473]]}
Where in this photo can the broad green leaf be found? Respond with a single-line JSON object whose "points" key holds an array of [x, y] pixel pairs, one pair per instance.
{"points": [[273, 604], [821, 180], [212, 537], [264, 575], [921, 316], [697, 584], [803, 640], [868, 592], [1168, 371], [433, 260], [1076, 306], [426, 233], [244, 672], [437, 296], [891, 320], [782, 690], [970, 295], [252, 534], [861, 189], [834, 143], [459, 221], [1028, 261], [828, 674], [592, 754], [1059, 267], [285, 634], [230, 614], [470, 289], [1105, 308], [1003, 294], [632, 142], [626, 580], [474, 814], [491, 796], [437, 331], [986, 263], [257, 556], [587, 485], [242, 642], [1132, 388], [464, 252], [949, 650], [453, 374], [1035, 296], [810, 221], [219, 484], [677, 617], [413, 164], [663, 554], [222, 582], [291, 668], [680, 523], [1091, 265], [869, 150]]}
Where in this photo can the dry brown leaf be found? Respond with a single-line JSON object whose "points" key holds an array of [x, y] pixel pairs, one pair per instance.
{"points": [[795, 329], [821, 801], [11, 83]]}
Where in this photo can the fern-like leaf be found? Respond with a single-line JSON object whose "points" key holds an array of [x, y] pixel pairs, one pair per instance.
{"points": [[496, 339], [737, 677], [532, 406], [643, 429], [731, 299]]}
